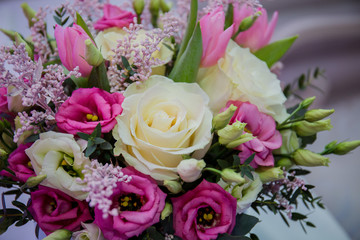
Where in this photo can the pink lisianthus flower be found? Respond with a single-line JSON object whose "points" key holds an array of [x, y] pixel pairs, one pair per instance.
{"points": [[262, 127], [114, 17], [3, 100], [71, 46], [53, 210], [19, 163], [190, 222], [214, 38], [138, 205], [260, 33], [86, 108]]}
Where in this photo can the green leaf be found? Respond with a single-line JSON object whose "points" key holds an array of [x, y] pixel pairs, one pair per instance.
{"points": [[244, 224], [186, 68], [154, 234], [284, 218], [272, 53], [223, 164], [299, 172], [226, 236], [97, 131], [19, 205], [126, 63], [80, 21], [98, 78], [310, 224], [190, 28], [83, 135], [236, 161], [98, 140], [249, 159], [32, 138], [69, 160], [89, 150], [106, 146], [297, 216], [254, 237], [229, 16]]}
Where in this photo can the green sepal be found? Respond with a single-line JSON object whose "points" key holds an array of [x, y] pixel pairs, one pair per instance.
{"points": [[98, 78], [272, 53], [229, 19], [187, 67], [80, 21]]}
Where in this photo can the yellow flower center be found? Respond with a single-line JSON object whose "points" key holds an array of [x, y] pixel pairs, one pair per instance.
{"points": [[91, 117], [130, 202], [206, 217]]}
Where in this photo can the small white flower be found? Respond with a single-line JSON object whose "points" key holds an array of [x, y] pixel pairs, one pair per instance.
{"points": [[190, 169], [90, 232]]}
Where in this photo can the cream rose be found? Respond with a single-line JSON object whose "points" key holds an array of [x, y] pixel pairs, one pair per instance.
{"points": [[60, 157], [240, 75], [107, 42], [161, 121]]}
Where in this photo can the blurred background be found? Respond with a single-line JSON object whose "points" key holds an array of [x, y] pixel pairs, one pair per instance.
{"points": [[329, 38]]}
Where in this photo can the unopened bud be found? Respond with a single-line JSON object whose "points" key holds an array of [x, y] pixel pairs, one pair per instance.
{"points": [[318, 114], [269, 174], [166, 211], [138, 6], [173, 186], [290, 142], [190, 169], [304, 128], [223, 119], [61, 234], [10, 34], [34, 181], [165, 7], [308, 158], [154, 7], [92, 55], [231, 132], [307, 102], [230, 176], [247, 22], [284, 162], [345, 147], [29, 13], [19, 40], [3, 158]]}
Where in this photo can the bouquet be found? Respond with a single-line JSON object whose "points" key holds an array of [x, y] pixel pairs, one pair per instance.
{"points": [[145, 120]]}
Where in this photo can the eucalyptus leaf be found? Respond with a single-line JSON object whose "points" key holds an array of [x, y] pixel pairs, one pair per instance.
{"points": [[273, 52], [83, 135], [89, 150], [244, 224]]}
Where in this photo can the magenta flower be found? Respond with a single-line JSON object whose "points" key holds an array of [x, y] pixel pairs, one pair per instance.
{"points": [[114, 17], [204, 212], [19, 163], [3, 100], [262, 127], [260, 33], [214, 38], [53, 210], [138, 203], [71, 46], [86, 108]]}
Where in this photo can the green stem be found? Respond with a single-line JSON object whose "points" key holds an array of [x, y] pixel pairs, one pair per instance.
{"points": [[214, 170], [291, 115]]}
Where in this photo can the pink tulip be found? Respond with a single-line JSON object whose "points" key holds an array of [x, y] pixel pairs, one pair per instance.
{"points": [[114, 17], [259, 34], [71, 46], [214, 38]]}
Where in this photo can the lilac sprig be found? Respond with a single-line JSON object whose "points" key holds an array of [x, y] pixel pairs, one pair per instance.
{"points": [[101, 180]]}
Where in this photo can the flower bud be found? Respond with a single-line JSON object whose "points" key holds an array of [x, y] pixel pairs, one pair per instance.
{"points": [[318, 114], [231, 132], [284, 162], [247, 22], [223, 119], [243, 139], [230, 176], [34, 181], [3, 158], [19, 40], [61, 234], [165, 7], [173, 186], [190, 169], [138, 6], [29, 13], [154, 7], [345, 147], [307, 102], [166, 211], [10, 34], [269, 174], [290, 142], [92, 55], [307, 158], [304, 128]]}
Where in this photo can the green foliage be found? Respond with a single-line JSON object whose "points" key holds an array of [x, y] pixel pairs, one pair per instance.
{"points": [[244, 224], [98, 78], [59, 15], [229, 19], [80, 21]]}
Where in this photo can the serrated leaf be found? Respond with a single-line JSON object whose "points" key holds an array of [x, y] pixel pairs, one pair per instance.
{"points": [[244, 224], [273, 52]]}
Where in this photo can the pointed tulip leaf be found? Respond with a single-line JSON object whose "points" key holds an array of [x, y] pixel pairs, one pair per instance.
{"points": [[80, 21], [98, 78]]}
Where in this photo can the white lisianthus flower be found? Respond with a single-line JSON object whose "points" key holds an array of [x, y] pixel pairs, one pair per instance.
{"points": [[161, 121], [60, 158], [240, 75], [190, 169], [245, 193], [107, 41], [90, 232]]}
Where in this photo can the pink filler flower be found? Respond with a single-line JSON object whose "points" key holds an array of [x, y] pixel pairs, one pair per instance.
{"points": [[114, 17], [262, 127], [214, 38], [86, 108], [260, 33]]}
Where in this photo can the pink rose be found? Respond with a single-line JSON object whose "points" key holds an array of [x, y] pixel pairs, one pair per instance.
{"points": [[204, 212], [139, 203], [114, 17], [53, 210], [214, 38], [19, 163], [71, 45], [86, 108], [3, 100], [260, 33], [262, 127]]}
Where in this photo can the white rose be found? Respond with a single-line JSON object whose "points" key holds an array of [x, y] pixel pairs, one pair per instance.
{"points": [[161, 121], [59, 157], [91, 232], [240, 75], [245, 193], [107, 41]]}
